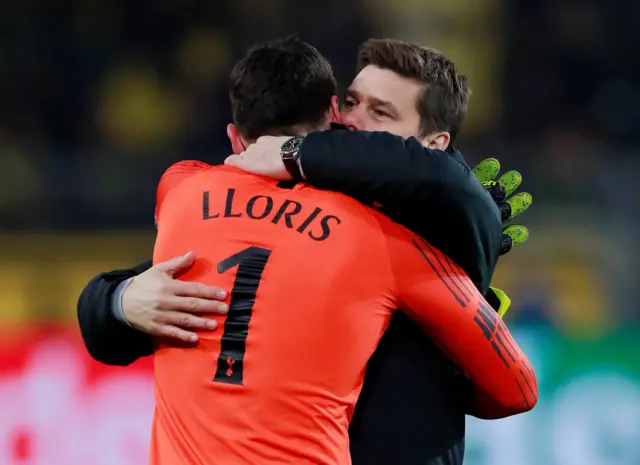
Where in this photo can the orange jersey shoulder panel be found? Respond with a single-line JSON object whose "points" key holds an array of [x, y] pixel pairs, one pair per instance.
{"points": [[174, 175]]}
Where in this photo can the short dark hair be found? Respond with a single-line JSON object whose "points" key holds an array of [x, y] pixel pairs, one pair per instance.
{"points": [[443, 103], [279, 87]]}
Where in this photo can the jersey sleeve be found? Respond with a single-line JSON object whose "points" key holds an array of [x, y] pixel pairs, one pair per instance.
{"points": [[173, 176], [439, 296]]}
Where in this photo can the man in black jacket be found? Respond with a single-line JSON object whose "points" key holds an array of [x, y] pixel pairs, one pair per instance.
{"points": [[413, 403]]}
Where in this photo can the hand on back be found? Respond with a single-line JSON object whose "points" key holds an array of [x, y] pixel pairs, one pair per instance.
{"points": [[157, 303]]}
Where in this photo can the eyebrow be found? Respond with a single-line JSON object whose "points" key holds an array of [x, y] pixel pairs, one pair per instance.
{"points": [[374, 101]]}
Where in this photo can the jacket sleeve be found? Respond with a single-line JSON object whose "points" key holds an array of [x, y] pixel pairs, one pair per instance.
{"points": [[427, 191], [106, 338]]}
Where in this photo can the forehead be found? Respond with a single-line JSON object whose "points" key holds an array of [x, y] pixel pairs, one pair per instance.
{"points": [[382, 84]]}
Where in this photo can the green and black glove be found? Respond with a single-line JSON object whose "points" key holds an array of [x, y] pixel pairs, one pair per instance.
{"points": [[510, 206]]}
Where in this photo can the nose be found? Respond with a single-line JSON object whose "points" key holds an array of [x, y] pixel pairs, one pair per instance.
{"points": [[351, 118]]}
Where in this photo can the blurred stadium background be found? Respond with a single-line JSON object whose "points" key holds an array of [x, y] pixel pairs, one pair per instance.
{"points": [[98, 97]]}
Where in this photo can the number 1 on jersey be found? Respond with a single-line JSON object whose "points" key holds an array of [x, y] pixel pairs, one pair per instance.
{"points": [[250, 263]]}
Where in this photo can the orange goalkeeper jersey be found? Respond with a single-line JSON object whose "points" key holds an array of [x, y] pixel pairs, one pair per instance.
{"points": [[314, 277]]}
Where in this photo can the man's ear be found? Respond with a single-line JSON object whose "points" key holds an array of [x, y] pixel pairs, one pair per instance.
{"points": [[237, 144], [335, 110], [437, 140]]}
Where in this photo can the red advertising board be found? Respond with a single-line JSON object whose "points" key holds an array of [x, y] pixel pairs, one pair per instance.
{"points": [[59, 407]]}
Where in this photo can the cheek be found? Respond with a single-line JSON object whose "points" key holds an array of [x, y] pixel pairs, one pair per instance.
{"points": [[359, 119], [393, 127], [348, 115]]}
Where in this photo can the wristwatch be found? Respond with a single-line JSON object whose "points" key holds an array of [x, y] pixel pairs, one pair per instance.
{"points": [[290, 153]]}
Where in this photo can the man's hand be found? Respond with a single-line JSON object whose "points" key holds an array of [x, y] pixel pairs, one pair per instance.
{"points": [[510, 205], [156, 303], [263, 158]]}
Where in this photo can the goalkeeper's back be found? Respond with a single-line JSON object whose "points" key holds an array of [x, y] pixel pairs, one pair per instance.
{"points": [[315, 278]]}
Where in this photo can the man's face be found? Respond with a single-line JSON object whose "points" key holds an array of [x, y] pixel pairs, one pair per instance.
{"points": [[381, 100]]}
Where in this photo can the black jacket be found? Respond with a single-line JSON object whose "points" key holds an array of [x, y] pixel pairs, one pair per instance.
{"points": [[412, 406]]}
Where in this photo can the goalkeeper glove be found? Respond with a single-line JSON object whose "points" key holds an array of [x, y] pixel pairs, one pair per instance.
{"points": [[498, 300], [510, 205]]}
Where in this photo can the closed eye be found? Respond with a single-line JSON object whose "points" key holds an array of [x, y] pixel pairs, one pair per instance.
{"points": [[381, 113], [350, 103]]}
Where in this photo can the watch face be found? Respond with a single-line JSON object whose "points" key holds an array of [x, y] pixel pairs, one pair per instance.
{"points": [[292, 144]]}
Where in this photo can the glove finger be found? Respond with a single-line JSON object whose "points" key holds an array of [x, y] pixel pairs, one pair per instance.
{"points": [[511, 180], [498, 193], [519, 203], [498, 300], [506, 244], [518, 234], [505, 211], [487, 169]]}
